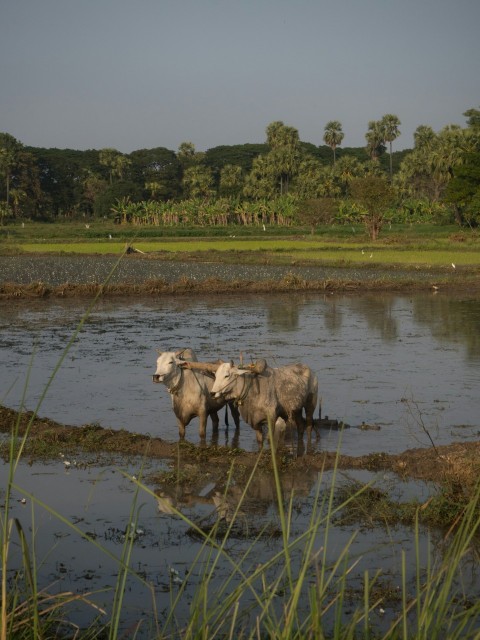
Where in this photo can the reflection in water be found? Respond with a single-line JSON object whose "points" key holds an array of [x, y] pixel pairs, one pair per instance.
{"points": [[256, 494], [283, 314], [378, 311], [332, 316], [452, 319]]}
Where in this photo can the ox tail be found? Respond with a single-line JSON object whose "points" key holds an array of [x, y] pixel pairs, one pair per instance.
{"points": [[320, 408]]}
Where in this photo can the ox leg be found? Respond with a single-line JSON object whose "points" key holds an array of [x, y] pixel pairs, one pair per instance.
{"points": [[202, 430], [215, 421], [300, 423], [235, 415], [279, 431], [259, 435], [181, 429], [309, 411]]}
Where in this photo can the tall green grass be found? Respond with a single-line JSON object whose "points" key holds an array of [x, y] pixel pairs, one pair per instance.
{"points": [[296, 593]]}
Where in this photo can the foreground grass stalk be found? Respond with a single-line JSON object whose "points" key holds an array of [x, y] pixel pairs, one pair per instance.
{"points": [[6, 532], [6, 522], [126, 554], [17, 446], [366, 606], [404, 598], [437, 603], [208, 548], [30, 580]]}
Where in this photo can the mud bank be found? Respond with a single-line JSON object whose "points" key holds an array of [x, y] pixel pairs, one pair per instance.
{"points": [[215, 286], [456, 465]]}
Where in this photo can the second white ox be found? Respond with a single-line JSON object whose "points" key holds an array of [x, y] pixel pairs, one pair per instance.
{"points": [[190, 391], [264, 394]]}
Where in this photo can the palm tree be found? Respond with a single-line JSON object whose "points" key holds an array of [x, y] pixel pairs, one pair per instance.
{"points": [[346, 169], [423, 136], [9, 151], [333, 135], [375, 139], [17, 195], [231, 180], [473, 116], [284, 155], [197, 182], [389, 124], [115, 161]]}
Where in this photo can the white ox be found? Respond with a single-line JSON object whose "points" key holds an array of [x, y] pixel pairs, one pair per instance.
{"points": [[264, 394], [190, 391]]}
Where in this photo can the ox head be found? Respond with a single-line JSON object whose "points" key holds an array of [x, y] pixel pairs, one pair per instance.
{"points": [[225, 378], [169, 362], [227, 374]]}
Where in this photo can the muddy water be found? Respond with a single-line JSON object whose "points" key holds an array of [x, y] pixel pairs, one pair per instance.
{"points": [[101, 502], [408, 364], [405, 363]]}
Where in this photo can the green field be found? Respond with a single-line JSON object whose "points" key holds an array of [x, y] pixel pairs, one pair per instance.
{"points": [[410, 246]]}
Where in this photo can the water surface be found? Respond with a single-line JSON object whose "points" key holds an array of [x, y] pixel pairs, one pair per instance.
{"points": [[408, 364], [405, 363]]}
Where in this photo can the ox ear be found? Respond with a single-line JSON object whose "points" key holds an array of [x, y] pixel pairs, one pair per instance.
{"points": [[159, 352], [259, 366]]}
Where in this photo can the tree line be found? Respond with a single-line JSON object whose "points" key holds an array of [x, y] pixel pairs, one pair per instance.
{"points": [[439, 179]]}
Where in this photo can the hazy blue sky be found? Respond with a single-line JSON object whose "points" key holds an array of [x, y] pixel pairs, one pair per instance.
{"points": [[135, 74]]}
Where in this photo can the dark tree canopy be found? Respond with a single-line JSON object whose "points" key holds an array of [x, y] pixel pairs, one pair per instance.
{"points": [[43, 183], [159, 168], [375, 195], [238, 154], [463, 190]]}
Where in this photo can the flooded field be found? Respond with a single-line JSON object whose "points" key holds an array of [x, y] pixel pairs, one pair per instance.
{"points": [[78, 269], [407, 365], [382, 359], [169, 561]]}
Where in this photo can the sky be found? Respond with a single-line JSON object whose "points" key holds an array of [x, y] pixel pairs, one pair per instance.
{"points": [[136, 74]]}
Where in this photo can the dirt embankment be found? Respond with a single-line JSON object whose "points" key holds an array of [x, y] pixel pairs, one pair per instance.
{"points": [[187, 286], [456, 465]]}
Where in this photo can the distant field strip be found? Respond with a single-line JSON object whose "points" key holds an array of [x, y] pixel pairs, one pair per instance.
{"points": [[190, 245], [412, 257], [292, 249]]}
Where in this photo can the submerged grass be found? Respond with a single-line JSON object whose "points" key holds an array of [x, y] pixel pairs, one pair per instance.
{"points": [[369, 506]]}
